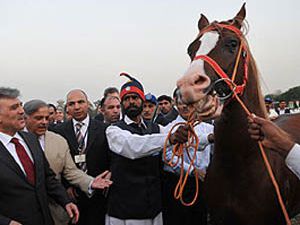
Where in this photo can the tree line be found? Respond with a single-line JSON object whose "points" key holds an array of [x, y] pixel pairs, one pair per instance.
{"points": [[293, 94]]}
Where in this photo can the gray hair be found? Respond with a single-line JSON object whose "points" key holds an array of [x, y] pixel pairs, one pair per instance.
{"points": [[9, 92], [33, 106]]}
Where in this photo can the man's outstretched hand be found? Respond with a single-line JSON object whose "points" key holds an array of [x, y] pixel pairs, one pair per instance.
{"points": [[102, 180]]}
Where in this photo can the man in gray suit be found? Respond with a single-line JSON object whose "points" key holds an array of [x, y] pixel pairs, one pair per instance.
{"points": [[58, 154], [26, 178]]}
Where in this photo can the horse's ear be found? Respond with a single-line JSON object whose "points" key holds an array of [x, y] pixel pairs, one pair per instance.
{"points": [[203, 22], [239, 18]]}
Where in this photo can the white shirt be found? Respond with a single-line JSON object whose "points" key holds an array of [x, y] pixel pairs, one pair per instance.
{"points": [[293, 160], [281, 111], [272, 114], [84, 128], [42, 141], [134, 146], [5, 139], [203, 152]]}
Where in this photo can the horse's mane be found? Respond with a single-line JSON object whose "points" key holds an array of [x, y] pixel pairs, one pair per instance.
{"points": [[253, 70]]}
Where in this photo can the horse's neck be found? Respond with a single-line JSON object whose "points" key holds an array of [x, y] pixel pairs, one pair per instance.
{"points": [[231, 129], [232, 137]]}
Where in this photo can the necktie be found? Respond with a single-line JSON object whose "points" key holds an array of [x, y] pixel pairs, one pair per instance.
{"points": [[25, 160], [81, 145], [79, 136]]}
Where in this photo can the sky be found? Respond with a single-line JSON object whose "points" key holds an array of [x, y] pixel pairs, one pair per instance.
{"points": [[48, 47]]}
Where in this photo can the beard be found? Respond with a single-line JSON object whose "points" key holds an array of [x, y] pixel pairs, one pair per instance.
{"points": [[133, 111]]}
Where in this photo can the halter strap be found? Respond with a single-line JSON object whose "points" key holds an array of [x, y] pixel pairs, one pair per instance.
{"points": [[239, 89]]}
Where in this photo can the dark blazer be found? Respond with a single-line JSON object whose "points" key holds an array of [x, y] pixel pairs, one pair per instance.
{"points": [[21, 201], [92, 210], [99, 117], [286, 110]]}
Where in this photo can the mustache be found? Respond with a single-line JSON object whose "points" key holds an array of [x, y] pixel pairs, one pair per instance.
{"points": [[133, 110], [132, 107]]}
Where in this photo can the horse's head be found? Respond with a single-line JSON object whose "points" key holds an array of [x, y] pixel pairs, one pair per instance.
{"points": [[219, 58]]}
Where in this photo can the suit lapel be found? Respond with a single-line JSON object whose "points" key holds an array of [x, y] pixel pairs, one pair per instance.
{"points": [[47, 144], [70, 136], [9, 161], [92, 134], [30, 144], [34, 148]]}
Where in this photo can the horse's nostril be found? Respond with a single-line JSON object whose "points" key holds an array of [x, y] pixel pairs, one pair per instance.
{"points": [[201, 80]]}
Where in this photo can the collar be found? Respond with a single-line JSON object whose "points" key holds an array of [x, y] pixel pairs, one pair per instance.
{"points": [[42, 137], [85, 122], [26, 130], [42, 141], [5, 138], [129, 121]]}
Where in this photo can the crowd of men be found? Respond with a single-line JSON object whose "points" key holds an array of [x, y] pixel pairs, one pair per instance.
{"points": [[274, 111], [61, 166], [102, 170]]}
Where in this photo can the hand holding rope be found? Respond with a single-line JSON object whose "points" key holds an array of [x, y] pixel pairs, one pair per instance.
{"points": [[192, 141]]}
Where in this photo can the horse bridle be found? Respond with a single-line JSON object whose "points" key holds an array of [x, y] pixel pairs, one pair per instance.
{"points": [[224, 78], [239, 90]]}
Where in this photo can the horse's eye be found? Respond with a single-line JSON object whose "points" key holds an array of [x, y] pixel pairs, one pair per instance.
{"points": [[231, 44], [234, 43]]}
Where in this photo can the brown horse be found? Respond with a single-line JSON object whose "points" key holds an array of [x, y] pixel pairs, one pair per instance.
{"points": [[238, 188]]}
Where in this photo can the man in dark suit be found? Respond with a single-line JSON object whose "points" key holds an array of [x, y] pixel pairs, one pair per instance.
{"points": [[282, 109], [89, 149], [167, 112], [25, 177]]}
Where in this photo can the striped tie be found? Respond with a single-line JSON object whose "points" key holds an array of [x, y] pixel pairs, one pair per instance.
{"points": [[79, 136], [81, 145]]}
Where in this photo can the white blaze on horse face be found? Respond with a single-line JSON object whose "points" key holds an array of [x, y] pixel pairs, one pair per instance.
{"points": [[208, 43], [195, 79]]}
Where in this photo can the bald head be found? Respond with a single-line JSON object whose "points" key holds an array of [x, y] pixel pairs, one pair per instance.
{"points": [[77, 91], [77, 104]]}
